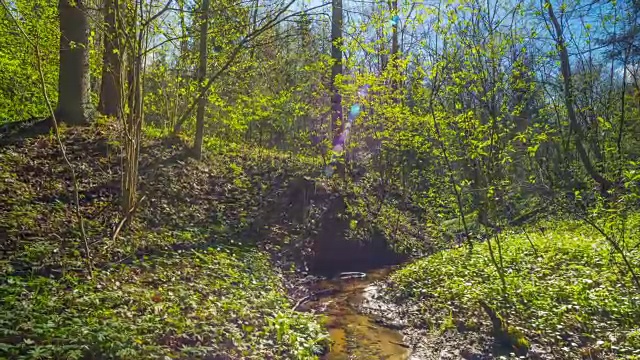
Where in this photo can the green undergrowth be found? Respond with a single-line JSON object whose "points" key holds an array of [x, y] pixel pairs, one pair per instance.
{"points": [[214, 304], [567, 292], [223, 302]]}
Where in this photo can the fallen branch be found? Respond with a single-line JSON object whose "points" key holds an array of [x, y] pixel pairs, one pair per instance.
{"points": [[400, 344], [311, 296]]}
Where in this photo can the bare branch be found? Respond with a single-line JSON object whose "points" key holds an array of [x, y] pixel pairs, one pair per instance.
{"points": [[270, 24]]}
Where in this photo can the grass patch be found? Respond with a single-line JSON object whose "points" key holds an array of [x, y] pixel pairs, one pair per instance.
{"points": [[570, 293], [219, 302]]}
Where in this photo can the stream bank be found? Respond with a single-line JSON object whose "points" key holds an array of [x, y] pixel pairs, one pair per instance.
{"points": [[364, 325], [338, 288]]}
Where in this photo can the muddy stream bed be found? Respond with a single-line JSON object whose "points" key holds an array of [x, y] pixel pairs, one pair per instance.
{"points": [[354, 331]]}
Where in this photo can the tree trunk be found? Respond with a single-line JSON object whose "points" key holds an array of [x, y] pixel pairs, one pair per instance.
{"points": [[134, 116], [96, 19], [336, 67], [131, 140], [394, 35], [111, 89], [395, 49], [184, 42], [202, 75], [565, 68], [73, 82]]}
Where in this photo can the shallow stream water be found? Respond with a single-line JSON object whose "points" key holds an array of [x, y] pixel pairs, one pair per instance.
{"points": [[356, 335]]}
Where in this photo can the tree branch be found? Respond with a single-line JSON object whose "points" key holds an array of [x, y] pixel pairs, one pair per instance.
{"points": [[205, 88]]}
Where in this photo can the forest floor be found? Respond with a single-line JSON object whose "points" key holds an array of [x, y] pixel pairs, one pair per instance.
{"points": [[568, 296], [187, 279]]}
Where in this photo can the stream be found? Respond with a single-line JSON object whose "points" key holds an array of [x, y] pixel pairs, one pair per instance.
{"points": [[355, 334]]}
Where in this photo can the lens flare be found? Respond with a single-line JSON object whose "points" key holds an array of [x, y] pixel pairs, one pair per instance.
{"points": [[340, 140]]}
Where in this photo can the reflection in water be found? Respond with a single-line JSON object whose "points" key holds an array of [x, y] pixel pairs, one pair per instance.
{"points": [[355, 335]]}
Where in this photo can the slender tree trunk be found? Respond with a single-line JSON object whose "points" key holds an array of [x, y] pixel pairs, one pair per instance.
{"points": [[565, 68], [394, 35], [96, 19], [254, 25], [395, 50], [183, 76], [202, 75], [132, 143], [383, 58], [336, 68], [134, 118], [622, 108], [73, 82], [111, 89], [184, 42]]}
